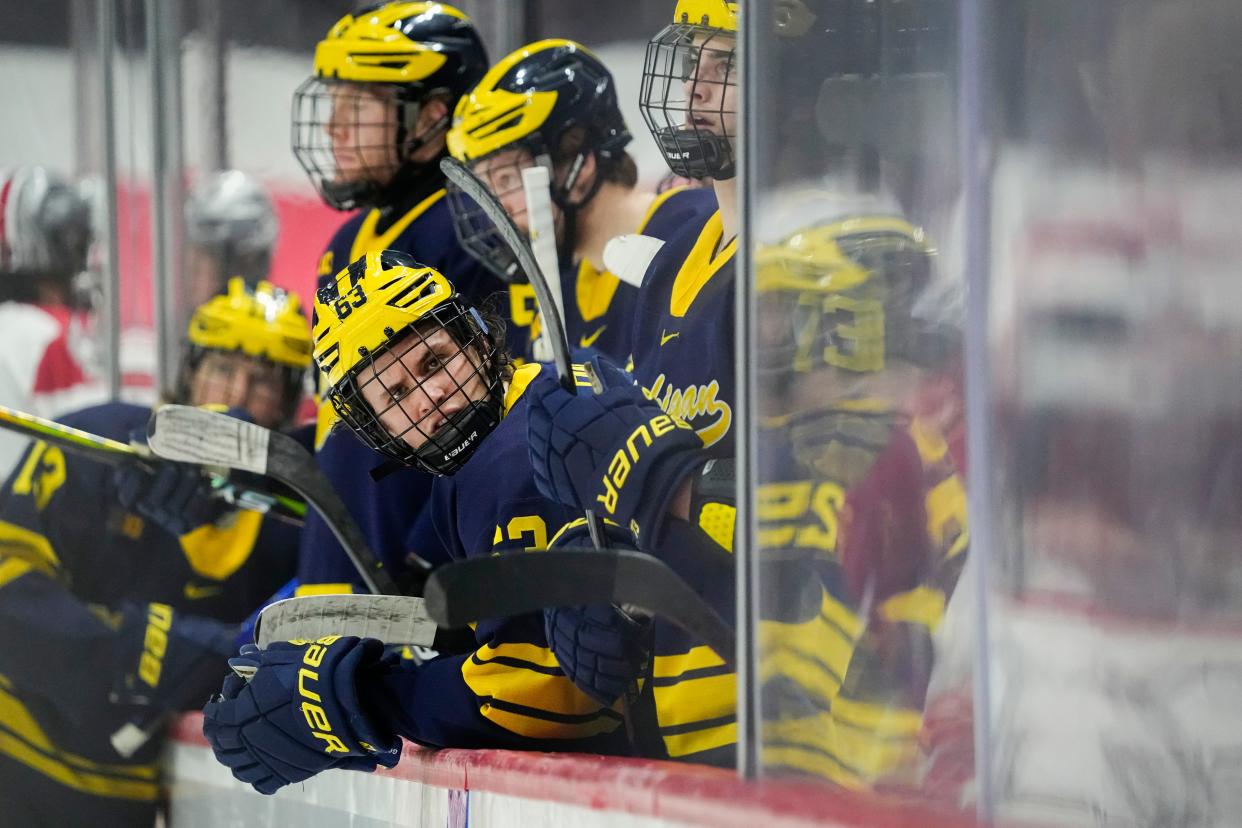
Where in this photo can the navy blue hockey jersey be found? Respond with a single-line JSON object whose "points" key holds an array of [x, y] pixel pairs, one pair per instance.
{"points": [[510, 691], [385, 510], [599, 307], [69, 556], [683, 333]]}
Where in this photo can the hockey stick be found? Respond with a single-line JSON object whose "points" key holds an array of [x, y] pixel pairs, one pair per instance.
{"points": [[554, 327], [195, 435], [115, 453], [536, 185], [499, 586], [505, 585]]}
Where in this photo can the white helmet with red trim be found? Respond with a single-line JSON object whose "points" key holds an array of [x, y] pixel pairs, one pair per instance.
{"points": [[45, 224]]}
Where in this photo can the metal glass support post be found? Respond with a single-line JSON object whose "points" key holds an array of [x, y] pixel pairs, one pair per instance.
{"points": [[976, 158], [745, 552], [167, 197], [110, 313]]}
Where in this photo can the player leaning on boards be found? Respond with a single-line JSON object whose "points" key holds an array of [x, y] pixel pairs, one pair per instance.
{"points": [[110, 580], [844, 649], [683, 350], [554, 103], [369, 128], [422, 376]]}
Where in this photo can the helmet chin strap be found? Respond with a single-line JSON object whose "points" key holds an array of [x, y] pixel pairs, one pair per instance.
{"points": [[570, 208]]}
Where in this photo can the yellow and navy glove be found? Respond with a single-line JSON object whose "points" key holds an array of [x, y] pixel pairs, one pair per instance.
{"points": [[601, 648], [300, 713], [615, 452]]}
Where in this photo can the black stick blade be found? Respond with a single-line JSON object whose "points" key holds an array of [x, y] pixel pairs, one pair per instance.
{"points": [[506, 585]]}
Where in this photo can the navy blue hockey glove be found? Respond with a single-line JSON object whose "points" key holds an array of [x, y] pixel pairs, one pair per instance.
{"points": [[615, 452], [177, 497], [299, 714], [169, 660], [174, 496], [601, 648]]}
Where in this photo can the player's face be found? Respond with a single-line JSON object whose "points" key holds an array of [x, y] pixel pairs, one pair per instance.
{"points": [[417, 385], [502, 173], [362, 129], [709, 78], [239, 381]]}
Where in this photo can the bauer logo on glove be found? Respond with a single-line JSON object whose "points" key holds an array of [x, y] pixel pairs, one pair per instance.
{"points": [[308, 681], [628, 455]]}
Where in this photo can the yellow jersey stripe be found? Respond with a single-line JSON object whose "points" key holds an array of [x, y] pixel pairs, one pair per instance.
{"points": [[698, 741], [922, 605], [323, 589], [217, 552], [367, 241], [701, 264], [31, 546]]}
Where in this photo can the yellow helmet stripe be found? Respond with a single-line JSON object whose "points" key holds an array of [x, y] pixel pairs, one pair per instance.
{"points": [[369, 49], [489, 119]]}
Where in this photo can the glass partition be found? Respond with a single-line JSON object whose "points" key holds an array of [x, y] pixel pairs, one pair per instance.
{"points": [[859, 504], [1116, 631]]}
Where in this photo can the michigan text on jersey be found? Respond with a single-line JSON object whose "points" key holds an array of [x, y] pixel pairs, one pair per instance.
{"points": [[698, 405]]}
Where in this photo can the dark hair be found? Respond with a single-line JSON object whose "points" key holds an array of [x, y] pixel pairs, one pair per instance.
{"points": [[497, 331], [618, 168]]}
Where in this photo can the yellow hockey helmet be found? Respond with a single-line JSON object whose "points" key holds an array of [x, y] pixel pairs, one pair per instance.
{"points": [[386, 303], [842, 295], [402, 43], [686, 96], [265, 323], [407, 53]]}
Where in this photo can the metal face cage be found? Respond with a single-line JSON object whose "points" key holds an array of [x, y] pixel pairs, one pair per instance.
{"points": [[689, 99]]}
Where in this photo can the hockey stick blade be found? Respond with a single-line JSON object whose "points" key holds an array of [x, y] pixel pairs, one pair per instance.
{"points": [[393, 619], [195, 435], [506, 585], [478, 192], [114, 453]]}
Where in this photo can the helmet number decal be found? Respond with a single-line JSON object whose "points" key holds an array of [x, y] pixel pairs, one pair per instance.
{"points": [[353, 298], [852, 332]]}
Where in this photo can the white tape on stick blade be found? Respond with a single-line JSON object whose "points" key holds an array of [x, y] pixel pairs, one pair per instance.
{"points": [[185, 434], [393, 619]]}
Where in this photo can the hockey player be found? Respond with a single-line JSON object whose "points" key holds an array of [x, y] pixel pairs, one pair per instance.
{"points": [[369, 131], [856, 488], [422, 376], [231, 230], [120, 589], [561, 111], [45, 233], [683, 362]]}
